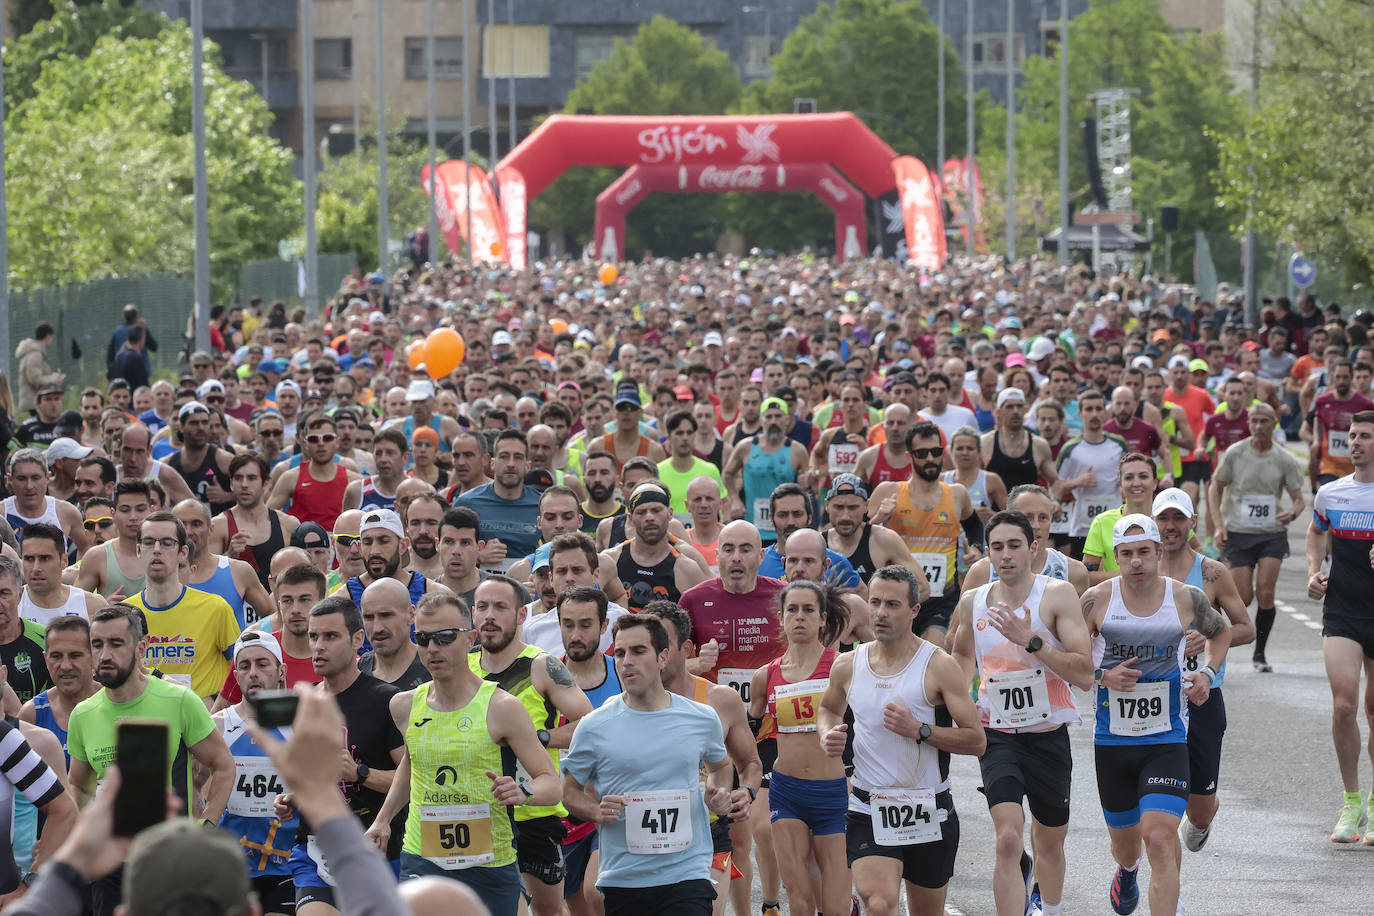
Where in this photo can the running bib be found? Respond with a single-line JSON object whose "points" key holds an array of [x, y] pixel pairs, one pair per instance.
{"points": [[936, 568], [737, 679], [1259, 508], [1018, 698], [1139, 712], [797, 705], [658, 822], [256, 784], [183, 679], [1059, 522], [843, 458], [500, 566], [904, 817], [1338, 443], [763, 514], [456, 836], [1095, 509]]}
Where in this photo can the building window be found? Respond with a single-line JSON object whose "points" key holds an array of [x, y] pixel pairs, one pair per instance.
{"points": [[758, 54], [990, 50], [333, 58], [1049, 37], [448, 57], [590, 50], [528, 45]]}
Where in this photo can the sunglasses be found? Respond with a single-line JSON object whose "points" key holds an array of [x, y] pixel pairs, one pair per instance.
{"points": [[317, 438], [218, 399], [444, 637], [102, 523], [345, 540], [935, 452]]}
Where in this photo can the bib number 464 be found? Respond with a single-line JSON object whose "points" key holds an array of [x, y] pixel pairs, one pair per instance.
{"points": [[261, 785]]}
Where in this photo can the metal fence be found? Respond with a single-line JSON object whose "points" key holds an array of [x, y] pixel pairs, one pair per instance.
{"points": [[277, 279]]}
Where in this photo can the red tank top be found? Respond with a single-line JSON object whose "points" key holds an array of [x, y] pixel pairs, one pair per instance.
{"points": [[883, 471], [318, 500], [797, 709], [608, 444]]}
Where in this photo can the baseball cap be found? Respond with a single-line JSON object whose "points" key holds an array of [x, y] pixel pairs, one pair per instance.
{"points": [[1149, 530], [1007, 395], [66, 448], [539, 478], [1199, 365], [1142, 362], [848, 485], [788, 331], [1041, 349], [179, 858], [420, 389], [383, 519], [209, 386], [1016, 359], [310, 535], [258, 639], [288, 385], [68, 424], [1178, 360], [48, 388], [628, 396], [684, 393], [958, 342], [501, 339], [846, 318], [191, 407], [272, 365], [1250, 345], [1172, 498], [769, 403], [712, 339]]}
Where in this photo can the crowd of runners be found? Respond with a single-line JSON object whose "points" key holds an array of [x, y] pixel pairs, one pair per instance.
{"points": [[685, 585]]}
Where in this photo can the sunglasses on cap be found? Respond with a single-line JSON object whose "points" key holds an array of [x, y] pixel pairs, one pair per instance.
{"points": [[102, 523], [445, 637]]}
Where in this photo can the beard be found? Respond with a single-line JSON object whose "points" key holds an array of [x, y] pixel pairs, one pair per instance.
{"points": [[496, 642], [117, 678], [383, 567], [424, 547], [582, 653], [929, 472], [600, 492]]}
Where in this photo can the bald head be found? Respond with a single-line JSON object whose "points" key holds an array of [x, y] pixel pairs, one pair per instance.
{"points": [[350, 521], [804, 540], [386, 592], [437, 896], [740, 532], [286, 558], [702, 486], [898, 411], [191, 507]]}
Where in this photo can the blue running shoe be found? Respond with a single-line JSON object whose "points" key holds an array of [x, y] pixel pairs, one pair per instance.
{"points": [[1037, 905], [1125, 893]]}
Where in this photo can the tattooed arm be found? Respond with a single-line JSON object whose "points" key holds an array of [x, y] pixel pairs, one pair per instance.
{"points": [[1226, 597], [555, 683]]}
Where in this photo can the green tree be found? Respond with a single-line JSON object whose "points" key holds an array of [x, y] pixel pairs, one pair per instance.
{"points": [[1183, 91], [666, 69], [25, 15], [73, 28], [1304, 156], [865, 56], [100, 166], [347, 215]]}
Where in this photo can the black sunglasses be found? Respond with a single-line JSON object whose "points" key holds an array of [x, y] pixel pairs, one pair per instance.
{"points": [[444, 637], [935, 452]]}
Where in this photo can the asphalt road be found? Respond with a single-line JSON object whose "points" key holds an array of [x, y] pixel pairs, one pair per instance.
{"points": [[1270, 850]]}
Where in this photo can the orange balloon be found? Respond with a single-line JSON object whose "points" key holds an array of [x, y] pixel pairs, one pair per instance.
{"points": [[608, 274], [444, 351], [415, 354], [559, 326]]}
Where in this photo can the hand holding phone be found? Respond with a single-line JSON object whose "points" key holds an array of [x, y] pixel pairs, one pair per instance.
{"points": [[142, 756]]}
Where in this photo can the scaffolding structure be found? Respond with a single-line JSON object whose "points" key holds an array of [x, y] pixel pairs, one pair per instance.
{"points": [[1113, 107]]}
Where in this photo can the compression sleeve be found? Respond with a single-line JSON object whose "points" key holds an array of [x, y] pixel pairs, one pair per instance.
{"points": [[973, 529]]}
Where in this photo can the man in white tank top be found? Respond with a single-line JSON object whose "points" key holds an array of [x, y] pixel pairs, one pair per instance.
{"points": [[1024, 634], [43, 552], [1036, 504], [901, 825]]}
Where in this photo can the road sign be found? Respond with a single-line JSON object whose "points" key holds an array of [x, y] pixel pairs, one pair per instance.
{"points": [[1302, 271]]}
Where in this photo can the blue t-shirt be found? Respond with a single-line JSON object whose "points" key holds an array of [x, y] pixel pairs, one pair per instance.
{"points": [[841, 571], [611, 753], [510, 521]]}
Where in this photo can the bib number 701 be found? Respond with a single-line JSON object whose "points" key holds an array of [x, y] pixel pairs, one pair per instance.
{"points": [[1016, 697]]}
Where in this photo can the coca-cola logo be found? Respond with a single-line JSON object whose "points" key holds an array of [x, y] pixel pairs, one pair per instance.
{"points": [[629, 191], [836, 192], [739, 178], [671, 144]]}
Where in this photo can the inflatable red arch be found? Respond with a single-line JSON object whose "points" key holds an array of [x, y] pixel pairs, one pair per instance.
{"points": [[621, 196], [564, 141]]}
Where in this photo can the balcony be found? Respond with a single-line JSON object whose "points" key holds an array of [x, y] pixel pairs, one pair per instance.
{"points": [[283, 86]]}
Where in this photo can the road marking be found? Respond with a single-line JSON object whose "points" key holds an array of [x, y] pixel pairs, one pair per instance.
{"points": [[1301, 617], [952, 910], [1313, 625]]}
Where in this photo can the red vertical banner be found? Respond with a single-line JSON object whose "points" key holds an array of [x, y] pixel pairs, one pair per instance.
{"points": [[451, 210], [956, 194], [922, 213]]}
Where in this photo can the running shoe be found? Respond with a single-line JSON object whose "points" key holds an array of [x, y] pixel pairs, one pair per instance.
{"points": [[1348, 825], [1037, 905], [770, 910], [1125, 892], [1262, 665], [1194, 837], [1027, 866], [854, 905]]}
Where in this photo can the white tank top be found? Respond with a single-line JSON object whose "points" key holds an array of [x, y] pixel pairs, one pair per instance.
{"points": [[75, 605], [48, 517], [154, 470], [998, 657], [884, 759], [1056, 566]]}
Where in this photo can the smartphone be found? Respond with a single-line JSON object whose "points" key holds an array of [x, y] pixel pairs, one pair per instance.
{"points": [[141, 753], [275, 708]]}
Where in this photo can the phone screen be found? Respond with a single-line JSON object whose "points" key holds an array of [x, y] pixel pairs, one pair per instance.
{"points": [[141, 753]]}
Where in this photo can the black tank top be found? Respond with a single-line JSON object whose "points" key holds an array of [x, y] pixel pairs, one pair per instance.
{"points": [[741, 435], [617, 531], [259, 556], [1013, 471], [200, 478], [861, 559], [646, 583]]}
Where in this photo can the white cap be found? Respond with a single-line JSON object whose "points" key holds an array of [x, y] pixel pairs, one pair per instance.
{"points": [[191, 407], [1149, 530], [1010, 394], [501, 339], [388, 520], [788, 331], [1041, 349], [420, 389], [712, 339], [258, 639], [288, 385], [1178, 360], [1142, 362], [65, 447], [1172, 498], [208, 386]]}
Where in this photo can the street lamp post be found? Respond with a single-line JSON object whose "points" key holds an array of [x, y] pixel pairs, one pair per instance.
{"points": [[1063, 133], [308, 154], [940, 91], [467, 127], [383, 242], [4, 234], [510, 108], [357, 92], [1011, 129], [430, 102], [1251, 252], [202, 218], [971, 211], [262, 39]]}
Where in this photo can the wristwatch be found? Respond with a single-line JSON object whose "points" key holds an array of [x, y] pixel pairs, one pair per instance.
{"points": [[543, 736], [924, 734], [1098, 675], [364, 771], [753, 793], [1035, 645]]}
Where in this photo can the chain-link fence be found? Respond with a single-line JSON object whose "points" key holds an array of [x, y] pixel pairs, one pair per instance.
{"points": [[285, 280]]}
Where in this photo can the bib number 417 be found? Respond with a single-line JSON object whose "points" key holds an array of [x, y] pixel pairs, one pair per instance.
{"points": [[660, 820]]}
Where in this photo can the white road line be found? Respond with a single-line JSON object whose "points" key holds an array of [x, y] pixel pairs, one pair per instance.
{"points": [[1313, 625], [1301, 617], [951, 910]]}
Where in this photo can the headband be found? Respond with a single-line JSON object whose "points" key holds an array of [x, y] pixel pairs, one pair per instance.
{"points": [[649, 495]]}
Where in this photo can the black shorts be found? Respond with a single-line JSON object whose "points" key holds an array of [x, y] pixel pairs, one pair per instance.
{"points": [[276, 893], [306, 895], [1199, 472], [720, 837], [576, 857], [1206, 728], [928, 865], [936, 612], [685, 898], [1359, 629], [1245, 549], [539, 848], [1135, 778], [1037, 766]]}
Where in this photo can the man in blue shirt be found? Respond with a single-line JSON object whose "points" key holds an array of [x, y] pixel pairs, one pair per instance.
{"points": [[508, 508], [651, 814], [791, 511]]}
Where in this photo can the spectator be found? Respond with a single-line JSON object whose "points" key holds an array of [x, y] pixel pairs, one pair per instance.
{"points": [[131, 363], [120, 334], [34, 368]]}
